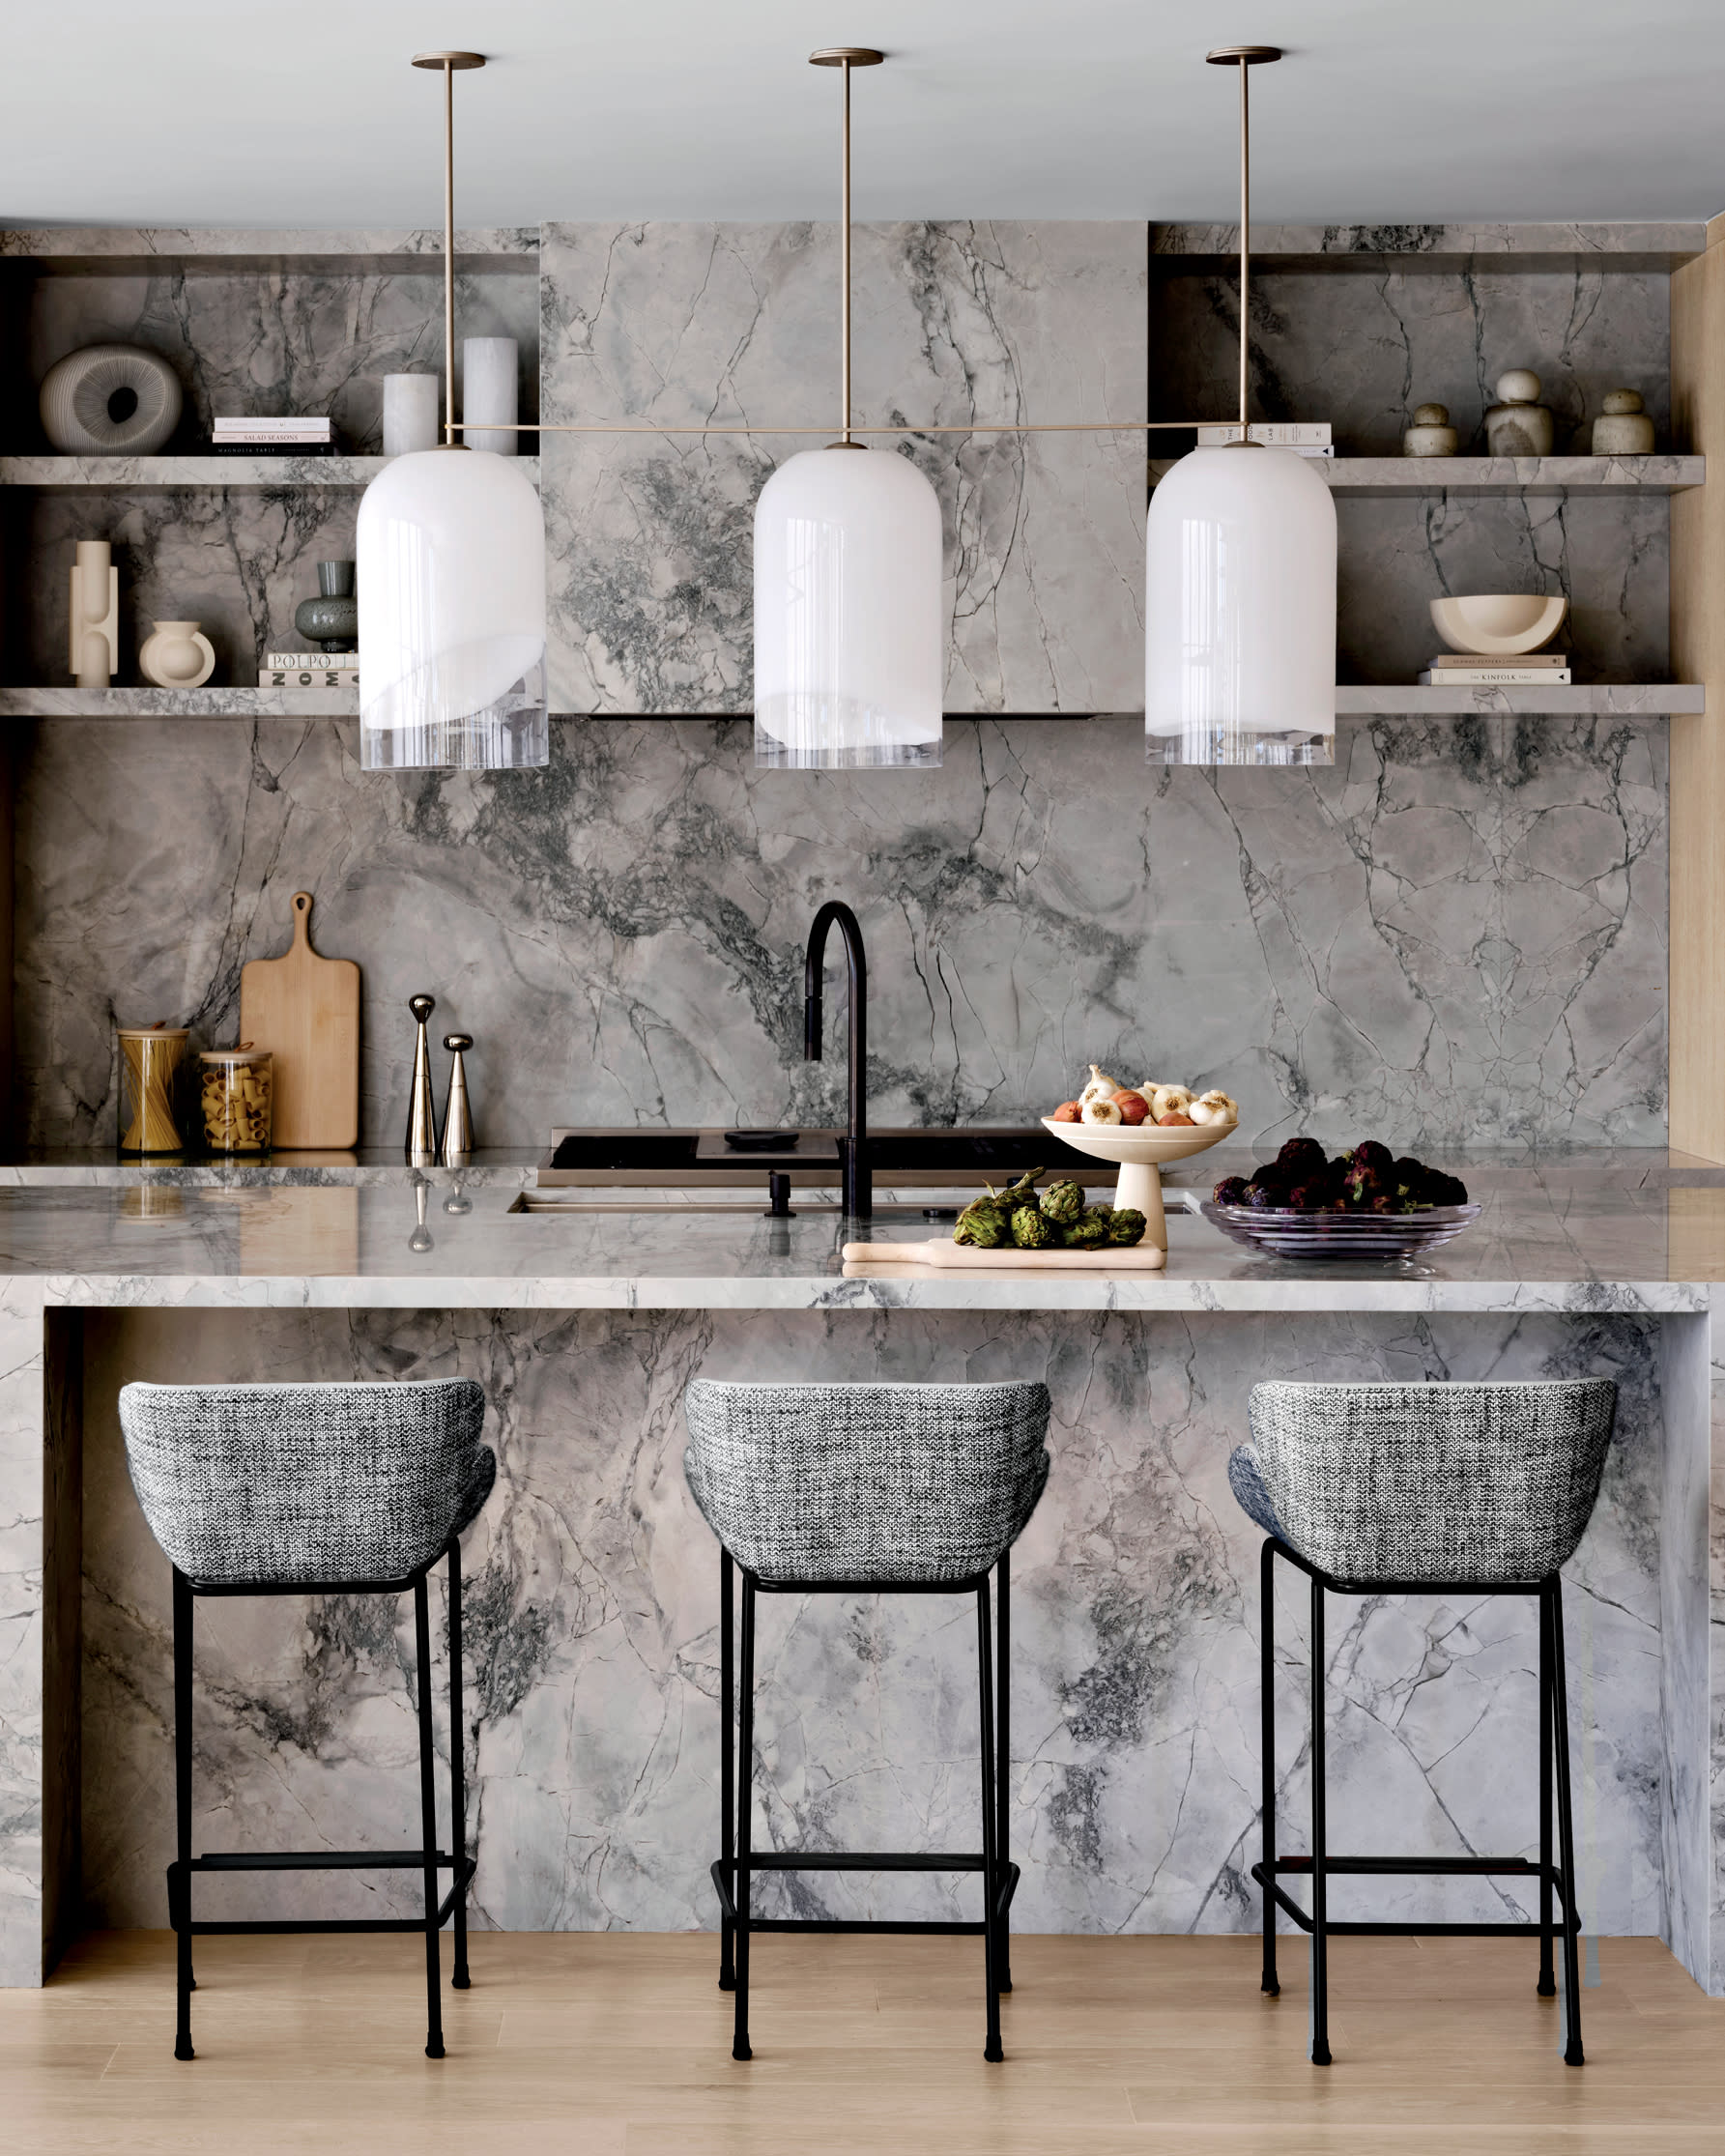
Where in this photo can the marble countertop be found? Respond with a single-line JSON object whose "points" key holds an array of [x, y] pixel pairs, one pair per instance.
{"points": [[1557, 1245]]}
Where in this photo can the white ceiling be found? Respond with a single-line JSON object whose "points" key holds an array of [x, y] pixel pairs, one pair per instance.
{"points": [[230, 112]]}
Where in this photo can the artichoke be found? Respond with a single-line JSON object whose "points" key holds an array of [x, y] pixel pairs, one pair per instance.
{"points": [[985, 1227], [1090, 1230], [1024, 1190], [1030, 1230], [1063, 1202], [1127, 1225]]}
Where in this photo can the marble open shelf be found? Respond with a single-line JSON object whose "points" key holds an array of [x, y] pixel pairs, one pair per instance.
{"points": [[1594, 699], [1386, 477], [162, 474]]}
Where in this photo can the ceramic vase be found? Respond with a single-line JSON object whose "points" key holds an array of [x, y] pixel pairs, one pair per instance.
{"points": [[1518, 424], [176, 656], [410, 412], [331, 620], [111, 400], [1431, 435], [488, 375], [1623, 429], [93, 656]]}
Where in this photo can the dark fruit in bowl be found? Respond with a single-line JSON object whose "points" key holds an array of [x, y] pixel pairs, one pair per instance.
{"points": [[1371, 1179], [1300, 1159], [1231, 1190]]}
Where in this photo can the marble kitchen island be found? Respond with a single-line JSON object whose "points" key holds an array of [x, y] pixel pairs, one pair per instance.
{"points": [[591, 1598]]}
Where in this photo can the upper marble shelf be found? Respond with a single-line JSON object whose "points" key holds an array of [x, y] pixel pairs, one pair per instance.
{"points": [[163, 474], [115, 251], [1511, 248], [1385, 477]]}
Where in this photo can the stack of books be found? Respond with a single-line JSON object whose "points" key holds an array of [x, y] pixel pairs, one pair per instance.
{"points": [[295, 437], [1472, 670], [306, 670], [1306, 437]]}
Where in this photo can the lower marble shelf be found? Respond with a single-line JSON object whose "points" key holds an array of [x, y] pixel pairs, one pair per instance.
{"points": [[1613, 699]]}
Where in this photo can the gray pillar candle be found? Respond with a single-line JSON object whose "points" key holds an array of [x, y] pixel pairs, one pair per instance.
{"points": [[410, 412], [488, 393]]}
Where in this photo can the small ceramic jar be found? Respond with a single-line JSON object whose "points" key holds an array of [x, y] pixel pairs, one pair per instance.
{"points": [[177, 657], [1431, 435], [234, 1098], [1518, 424], [1623, 429]]}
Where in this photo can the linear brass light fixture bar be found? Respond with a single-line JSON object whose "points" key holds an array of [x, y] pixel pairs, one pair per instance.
{"points": [[844, 58]]}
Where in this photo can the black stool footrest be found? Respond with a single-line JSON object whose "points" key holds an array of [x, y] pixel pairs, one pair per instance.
{"points": [[320, 1860]]}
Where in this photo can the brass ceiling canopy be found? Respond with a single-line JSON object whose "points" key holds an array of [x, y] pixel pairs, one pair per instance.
{"points": [[846, 56], [458, 61], [1244, 55]]}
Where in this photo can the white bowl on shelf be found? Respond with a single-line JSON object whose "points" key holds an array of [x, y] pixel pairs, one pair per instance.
{"points": [[1498, 624], [1140, 1149]]}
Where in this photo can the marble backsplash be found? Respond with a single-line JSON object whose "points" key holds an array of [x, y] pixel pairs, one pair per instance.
{"points": [[591, 1610], [1459, 932]]}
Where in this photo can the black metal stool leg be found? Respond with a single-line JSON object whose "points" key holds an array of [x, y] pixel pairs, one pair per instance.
{"points": [[727, 1760], [1320, 1974], [746, 1805], [1269, 1981], [1552, 1593], [434, 2004], [1548, 1981], [1003, 1776], [459, 1980], [990, 1868], [182, 1900]]}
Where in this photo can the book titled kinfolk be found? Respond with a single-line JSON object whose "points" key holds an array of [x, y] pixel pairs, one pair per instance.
{"points": [[1497, 677]]}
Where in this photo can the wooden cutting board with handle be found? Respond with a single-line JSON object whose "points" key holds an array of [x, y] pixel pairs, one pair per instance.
{"points": [[305, 1011]]}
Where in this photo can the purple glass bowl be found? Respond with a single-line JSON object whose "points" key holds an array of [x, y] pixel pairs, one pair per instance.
{"points": [[1282, 1233]]}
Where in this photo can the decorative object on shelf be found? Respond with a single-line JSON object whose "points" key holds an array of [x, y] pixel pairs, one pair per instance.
{"points": [[331, 620], [1240, 579], [150, 1058], [410, 414], [489, 398], [849, 633], [457, 1144], [1493, 625], [421, 1108], [309, 670], [111, 400], [93, 654], [1518, 424], [1623, 428], [1431, 435], [1526, 669], [177, 655], [305, 1010], [452, 553], [234, 1096]]}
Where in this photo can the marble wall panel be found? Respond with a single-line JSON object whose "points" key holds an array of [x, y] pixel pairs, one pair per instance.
{"points": [[23, 1861], [281, 339], [1455, 934], [591, 1610], [1362, 348], [701, 324]]}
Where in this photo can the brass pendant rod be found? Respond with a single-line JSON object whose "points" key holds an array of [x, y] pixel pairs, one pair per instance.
{"points": [[845, 261], [1245, 246], [450, 441]]}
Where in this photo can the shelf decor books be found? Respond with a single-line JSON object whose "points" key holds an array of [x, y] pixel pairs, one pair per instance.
{"points": [[1273, 434], [1486, 675], [295, 435]]}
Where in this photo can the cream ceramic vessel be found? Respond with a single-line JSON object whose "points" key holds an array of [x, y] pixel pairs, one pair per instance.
{"points": [[1496, 624], [1140, 1153]]}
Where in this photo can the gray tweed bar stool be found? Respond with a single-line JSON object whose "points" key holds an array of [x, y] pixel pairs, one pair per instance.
{"points": [[916, 1489], [1400, 1489], [316, 1489]]}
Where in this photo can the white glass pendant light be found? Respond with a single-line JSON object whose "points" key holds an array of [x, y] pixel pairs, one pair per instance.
{"points": [[451, 571], [1240, 596], [850, 634]]}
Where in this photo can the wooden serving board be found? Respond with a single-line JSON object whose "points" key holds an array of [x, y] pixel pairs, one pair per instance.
{"points": [[1137, 1257], [305, 1011]]}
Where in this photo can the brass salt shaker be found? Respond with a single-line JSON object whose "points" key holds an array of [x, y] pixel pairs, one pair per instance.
{"points": [[458, 1122]]}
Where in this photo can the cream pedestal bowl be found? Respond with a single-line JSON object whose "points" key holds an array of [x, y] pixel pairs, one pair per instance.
{"points": [[1141, 1152]]}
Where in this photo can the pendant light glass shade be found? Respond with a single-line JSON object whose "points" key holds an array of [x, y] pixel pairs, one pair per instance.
{"points": [[850, 635], [1240, 612], [450, 565]]}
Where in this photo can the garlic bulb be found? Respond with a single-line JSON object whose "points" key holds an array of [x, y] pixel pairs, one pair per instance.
{"points": [[1101, 1109], [1100, 1088]]}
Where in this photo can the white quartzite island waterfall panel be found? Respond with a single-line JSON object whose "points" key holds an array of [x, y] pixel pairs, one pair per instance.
{"points": [[703, 323]]}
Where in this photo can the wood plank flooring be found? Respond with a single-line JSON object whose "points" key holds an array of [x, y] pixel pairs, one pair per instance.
{"points": [[617, 2044]]}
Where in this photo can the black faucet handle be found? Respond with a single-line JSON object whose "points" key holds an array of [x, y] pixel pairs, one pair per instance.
{"points": [[777, 1186]]}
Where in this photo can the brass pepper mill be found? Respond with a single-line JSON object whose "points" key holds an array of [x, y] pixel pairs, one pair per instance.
{"points": [[421, 1111], [458, 1122]]}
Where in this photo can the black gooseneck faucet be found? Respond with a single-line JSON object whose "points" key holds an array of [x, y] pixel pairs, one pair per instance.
{"points": [[856, 1183]]}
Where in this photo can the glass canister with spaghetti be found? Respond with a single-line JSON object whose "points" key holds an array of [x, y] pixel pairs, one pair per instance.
{"points": [[149, 1059]]}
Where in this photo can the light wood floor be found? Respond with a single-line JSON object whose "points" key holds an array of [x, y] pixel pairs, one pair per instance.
{"points": [[619, 2045]]}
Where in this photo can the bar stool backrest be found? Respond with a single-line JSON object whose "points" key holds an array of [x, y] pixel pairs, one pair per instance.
{"points": [[1443, 1484], [866, 1481], [285, 1483]]}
